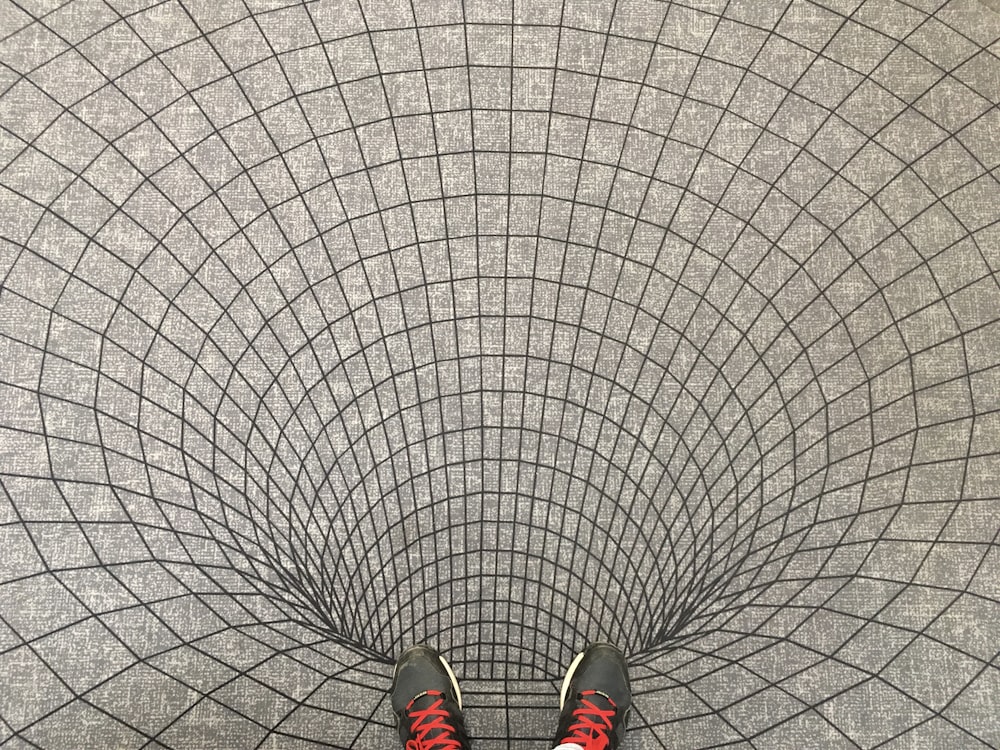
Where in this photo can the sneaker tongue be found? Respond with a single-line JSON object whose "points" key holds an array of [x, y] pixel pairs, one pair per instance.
{"points": [[599, 699], [425, 701]]}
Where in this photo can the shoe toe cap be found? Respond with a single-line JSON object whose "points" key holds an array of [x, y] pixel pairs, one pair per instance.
{"points": [[418, 670], [604, 668]]}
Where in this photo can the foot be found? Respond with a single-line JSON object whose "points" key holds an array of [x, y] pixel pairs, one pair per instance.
{"points": [[595, 700], [427, 702]]}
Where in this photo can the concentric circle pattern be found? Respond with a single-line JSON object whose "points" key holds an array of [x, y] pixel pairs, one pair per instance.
{"points": [[329, 328]]}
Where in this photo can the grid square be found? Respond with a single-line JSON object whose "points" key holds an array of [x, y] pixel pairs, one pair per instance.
{"points": [[859, 47]]}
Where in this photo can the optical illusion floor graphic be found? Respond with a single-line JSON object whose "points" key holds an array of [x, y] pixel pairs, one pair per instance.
{"points": [[329, 328]]}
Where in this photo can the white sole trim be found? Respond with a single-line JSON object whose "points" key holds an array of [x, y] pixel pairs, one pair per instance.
{"points": [[568, 678], [454, 680]]}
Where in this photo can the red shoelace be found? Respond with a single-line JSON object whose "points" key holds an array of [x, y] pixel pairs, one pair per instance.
{"points": [[592, 729], [432, 720]]}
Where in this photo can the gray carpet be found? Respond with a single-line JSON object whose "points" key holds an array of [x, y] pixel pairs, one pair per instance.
{"points": [[326, 329]]}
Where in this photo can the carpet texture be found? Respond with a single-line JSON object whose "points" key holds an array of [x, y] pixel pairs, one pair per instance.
{"points": [[327, 328]]}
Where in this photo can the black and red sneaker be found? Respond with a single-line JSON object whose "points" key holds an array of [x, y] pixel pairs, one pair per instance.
{"points": [[595, 700], [427, 702]]}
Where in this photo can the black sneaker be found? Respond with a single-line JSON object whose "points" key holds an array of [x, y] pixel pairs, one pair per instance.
{"points": [[595, 700], [427, 702]]}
